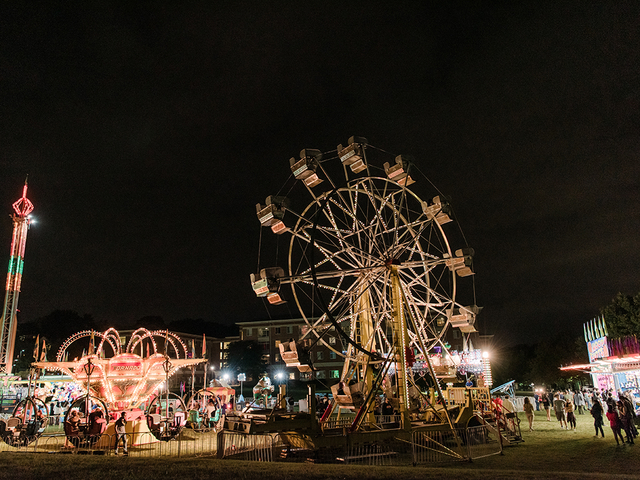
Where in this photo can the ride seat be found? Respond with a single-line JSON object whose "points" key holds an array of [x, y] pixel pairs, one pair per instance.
{"points": [[292, 357]]}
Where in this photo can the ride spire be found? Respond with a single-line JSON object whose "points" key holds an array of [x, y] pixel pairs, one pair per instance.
{"points": [[21, 221]]}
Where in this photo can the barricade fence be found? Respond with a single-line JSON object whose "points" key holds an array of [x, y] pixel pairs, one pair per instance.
{"points": [[424, 447]]}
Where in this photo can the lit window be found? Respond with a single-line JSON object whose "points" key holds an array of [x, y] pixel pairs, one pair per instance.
{"points": [[289, 329], [332, 340], [249, 332], [277, 357], [332, 355], [292, 376], [335, 373], [320, 374], [319, 355]]}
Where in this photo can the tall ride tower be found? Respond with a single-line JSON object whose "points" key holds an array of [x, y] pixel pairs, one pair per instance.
{"points": [[21, 221]]}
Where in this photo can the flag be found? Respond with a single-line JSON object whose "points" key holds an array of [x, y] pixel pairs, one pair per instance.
{"points": [[43, 352], [92, 340], [35, 348], [204, 346]]}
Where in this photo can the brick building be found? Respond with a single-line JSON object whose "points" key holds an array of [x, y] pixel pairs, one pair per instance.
{"points": [[270, 333]]}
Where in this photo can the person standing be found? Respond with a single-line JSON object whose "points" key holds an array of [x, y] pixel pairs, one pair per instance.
{"points": [[528, 411], [596, 413], [615, 423], [571, 418], [536, 399], [627, 419], [121, 433], [546, 405], [579, 401], [558, 407]]}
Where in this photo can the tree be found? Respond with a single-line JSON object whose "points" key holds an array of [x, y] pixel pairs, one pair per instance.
{"points": [[622, 316], [245, 356]]}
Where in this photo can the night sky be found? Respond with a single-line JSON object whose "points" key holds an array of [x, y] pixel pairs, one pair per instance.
{"points": [[150, 130]]}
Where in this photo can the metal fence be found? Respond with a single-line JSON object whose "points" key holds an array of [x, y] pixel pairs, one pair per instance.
{"points": [[423, 447]]}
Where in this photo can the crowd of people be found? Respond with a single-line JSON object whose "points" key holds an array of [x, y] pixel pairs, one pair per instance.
{"points": [[617, 407]]}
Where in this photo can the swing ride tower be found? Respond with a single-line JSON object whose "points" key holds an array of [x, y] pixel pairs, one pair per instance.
{"points": [[21, 221]]}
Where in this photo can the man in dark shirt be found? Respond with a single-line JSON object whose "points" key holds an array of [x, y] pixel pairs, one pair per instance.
{"points": [[121, 432]]}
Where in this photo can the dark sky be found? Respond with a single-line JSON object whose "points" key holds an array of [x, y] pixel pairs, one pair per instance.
{"points": [[150, 130]]}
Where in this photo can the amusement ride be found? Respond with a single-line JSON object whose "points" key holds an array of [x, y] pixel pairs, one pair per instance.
{"points": [[387, 270]]}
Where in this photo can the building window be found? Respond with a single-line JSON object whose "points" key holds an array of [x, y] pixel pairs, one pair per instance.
{"points": [[263, 332], [321, 374], [292, 376], [332, 355], [277, 329], [332, 340], [456, 333], [289, 329], [277, 357], [319, 355], [335, 373], [249, 332]]}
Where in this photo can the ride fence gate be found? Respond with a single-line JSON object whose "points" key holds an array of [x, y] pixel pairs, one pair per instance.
{"points": [[424, 448]]}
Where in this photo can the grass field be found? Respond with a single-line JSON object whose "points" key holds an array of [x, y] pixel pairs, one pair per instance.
{"points": [[548, 452]]}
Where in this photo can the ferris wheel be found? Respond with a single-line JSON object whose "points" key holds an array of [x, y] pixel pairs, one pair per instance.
{"points": [[368, 257]]}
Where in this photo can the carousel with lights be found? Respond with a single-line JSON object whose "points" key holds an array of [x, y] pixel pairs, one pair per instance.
{"points": [[118, 376]]}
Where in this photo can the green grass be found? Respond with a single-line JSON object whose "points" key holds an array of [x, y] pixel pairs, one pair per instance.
{"points": [[548, 452]]}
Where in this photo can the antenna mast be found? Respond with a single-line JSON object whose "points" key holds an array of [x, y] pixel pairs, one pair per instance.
{"points": [[21, 221]]}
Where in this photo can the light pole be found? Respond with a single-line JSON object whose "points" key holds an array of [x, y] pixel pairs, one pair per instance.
{"points": [[88, 368]]}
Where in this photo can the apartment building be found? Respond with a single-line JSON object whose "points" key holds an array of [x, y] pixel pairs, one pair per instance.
{"points": [[271, 333]]}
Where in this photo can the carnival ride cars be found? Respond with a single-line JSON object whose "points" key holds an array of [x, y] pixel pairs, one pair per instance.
{"points": [[85, 421], [207, 407], [166, 416], [26, 423]]}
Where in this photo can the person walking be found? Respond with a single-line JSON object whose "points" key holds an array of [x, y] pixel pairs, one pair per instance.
{"points": [[596, 413], [546, 405], [571, 418], [558, 407], [528, 411], [615, 423], [627, 419], [121, 433]]}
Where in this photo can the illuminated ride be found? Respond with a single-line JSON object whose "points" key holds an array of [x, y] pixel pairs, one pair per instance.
{"points": [[85, 421], [27, 422], [166, 416], [117, 378], [262, 392], [206, 408], [373, 270], [8, 325]]}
